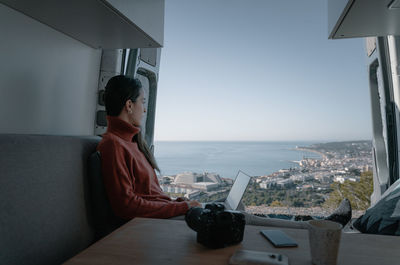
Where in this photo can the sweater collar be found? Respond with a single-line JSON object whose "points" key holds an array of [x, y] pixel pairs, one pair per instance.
{"points": [[121, 128]]}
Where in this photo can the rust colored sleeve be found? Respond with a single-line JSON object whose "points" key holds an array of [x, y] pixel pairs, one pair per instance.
{"points": [[119, 184]]}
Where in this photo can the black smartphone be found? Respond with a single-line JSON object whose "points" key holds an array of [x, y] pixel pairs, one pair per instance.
{"points": [[278, 238]]}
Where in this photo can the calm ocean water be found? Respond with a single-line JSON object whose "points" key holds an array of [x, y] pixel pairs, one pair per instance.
{"points": [[226, 158]]}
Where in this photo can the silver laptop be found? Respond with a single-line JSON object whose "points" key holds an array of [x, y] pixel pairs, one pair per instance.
{"points": [[237, 191]]}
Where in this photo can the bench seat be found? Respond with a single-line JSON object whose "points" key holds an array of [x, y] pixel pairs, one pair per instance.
{"points": [[45, 206]]}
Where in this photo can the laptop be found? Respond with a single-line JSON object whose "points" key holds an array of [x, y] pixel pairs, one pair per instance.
{"points": [[237, 191]]}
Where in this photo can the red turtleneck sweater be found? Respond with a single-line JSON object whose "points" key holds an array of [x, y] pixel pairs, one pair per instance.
{"points": [[130, 180]]}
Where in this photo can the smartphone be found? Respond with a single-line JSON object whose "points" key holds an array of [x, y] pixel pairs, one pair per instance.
{"points": [[278, 238]]}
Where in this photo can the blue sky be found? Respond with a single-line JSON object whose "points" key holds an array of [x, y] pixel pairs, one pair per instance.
{"points": [[259, 70]]}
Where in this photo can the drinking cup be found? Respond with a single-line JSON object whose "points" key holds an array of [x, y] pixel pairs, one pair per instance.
{"points": [[324, 238]]}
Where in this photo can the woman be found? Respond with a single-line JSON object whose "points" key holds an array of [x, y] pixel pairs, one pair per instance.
{"points": [[128, 166]]}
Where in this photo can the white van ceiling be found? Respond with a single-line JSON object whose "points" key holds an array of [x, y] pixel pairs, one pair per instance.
{"points": [[107, 24], [363, 18]]}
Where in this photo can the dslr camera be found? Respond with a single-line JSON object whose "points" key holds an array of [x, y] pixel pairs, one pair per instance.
{"points": [[215, 226]]}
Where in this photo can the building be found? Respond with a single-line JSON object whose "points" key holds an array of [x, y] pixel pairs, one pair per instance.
{"points": [[190, 178], [205, 186]]}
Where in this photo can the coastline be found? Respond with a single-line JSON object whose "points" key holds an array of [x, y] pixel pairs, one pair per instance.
{"points": [[312, 151], [226, 158]]}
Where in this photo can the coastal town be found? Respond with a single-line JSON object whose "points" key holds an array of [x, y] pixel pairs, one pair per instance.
{"points": [[306, 185], [339, 162]]}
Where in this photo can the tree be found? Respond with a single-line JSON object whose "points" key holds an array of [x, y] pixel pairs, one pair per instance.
{"points": [[358, 193], [298, 203], [276, 204], [354, 172]]}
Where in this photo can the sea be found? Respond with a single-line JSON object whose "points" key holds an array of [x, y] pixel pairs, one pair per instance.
{"points": [[227, 158]]}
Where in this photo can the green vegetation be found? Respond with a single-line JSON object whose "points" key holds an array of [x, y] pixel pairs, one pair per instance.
{"points": [[281, 197], [276, 204], [358, 193], [255, 196]]}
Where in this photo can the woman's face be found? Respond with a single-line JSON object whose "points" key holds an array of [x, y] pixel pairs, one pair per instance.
{"points": [[138, 109]]}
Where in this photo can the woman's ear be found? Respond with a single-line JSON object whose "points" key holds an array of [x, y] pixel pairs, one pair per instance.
{"points": [[129, 106]]}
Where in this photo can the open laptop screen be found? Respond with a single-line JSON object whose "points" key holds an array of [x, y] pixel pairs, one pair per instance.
{"points": [[237, 191]]}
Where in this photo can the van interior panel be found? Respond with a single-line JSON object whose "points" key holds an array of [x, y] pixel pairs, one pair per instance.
{"points": [[363, 18], [99, 23], [50, 79]]}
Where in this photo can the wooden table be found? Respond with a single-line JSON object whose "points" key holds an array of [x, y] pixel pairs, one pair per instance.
{"points": [[155, 241]]}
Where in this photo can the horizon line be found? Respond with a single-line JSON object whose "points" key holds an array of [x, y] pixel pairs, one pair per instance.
{"points": [[254, 141]]}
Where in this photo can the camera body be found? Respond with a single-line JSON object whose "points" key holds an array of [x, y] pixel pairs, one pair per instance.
{"points": [[215, 226]]}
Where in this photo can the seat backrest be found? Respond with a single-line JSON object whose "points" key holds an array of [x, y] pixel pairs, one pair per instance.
{"points": [[45, 208], [104, 219]]}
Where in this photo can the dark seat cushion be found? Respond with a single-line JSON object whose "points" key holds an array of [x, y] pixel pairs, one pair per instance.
{"points": [[384, 217], [104, 219], [45, 208]]}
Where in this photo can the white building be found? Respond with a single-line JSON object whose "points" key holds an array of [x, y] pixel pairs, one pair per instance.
{"points": [[339, 179], [205, 186], [284, 183], [190, 178], [175, 189], [342, 179]]}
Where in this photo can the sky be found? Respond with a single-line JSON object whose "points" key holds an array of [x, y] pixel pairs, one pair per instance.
{"points": [[259, 70]]}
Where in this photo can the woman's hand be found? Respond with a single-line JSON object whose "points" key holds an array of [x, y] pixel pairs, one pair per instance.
{"points": [[192, 204], [181, 199]]}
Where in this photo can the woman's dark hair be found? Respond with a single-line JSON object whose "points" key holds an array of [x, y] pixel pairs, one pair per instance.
{"points": [[118, 90]]}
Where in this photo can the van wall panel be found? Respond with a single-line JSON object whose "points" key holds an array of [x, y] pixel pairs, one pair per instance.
{"points": [[147, 15], [48, 81]]}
